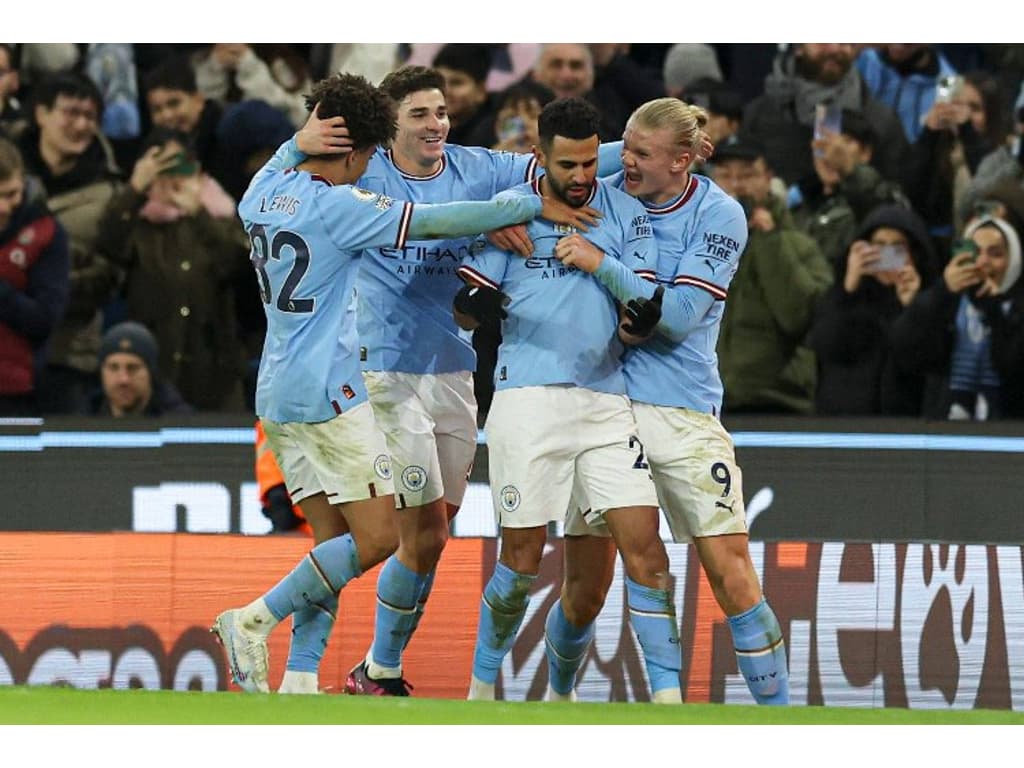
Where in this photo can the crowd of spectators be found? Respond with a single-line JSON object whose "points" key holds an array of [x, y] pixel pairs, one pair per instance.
{"points": [[883, 184]]}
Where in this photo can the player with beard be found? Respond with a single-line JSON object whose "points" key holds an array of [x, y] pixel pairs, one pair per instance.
{"points": [[417, 365], [673, 382], [560, 419], [309, 226]]}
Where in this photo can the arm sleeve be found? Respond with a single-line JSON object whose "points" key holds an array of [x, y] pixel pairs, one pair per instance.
{"points": [[287, 155], [682, 306], [358, 219], [470, 218]]}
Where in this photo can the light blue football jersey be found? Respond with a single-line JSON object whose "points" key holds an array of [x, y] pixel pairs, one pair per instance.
{"points": [[562, 323], [700, 235], [306, 238], [405, 293]]}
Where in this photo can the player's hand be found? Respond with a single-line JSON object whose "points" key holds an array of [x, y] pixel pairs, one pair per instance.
{"points": [[576, 251], [561, 213], [513, 239], [481, 302], [328, 136], [642, 315]]}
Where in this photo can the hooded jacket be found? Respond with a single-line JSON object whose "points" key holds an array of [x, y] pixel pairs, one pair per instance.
{"points": [[924, 335], [858, 373]]}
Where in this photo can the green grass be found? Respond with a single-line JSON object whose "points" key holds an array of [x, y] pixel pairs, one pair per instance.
{"points": [[68, 706]]}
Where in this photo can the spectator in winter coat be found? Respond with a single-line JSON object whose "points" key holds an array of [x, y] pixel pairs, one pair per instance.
{"points": [[889, 260], [966, 332], [34, 266]]}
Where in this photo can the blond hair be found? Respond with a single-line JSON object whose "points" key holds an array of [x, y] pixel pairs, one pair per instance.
{"points": [[685, 121]]}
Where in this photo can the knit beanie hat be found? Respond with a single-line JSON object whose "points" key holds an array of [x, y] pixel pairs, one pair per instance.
{"points": [[133, 338], [687, 62]]}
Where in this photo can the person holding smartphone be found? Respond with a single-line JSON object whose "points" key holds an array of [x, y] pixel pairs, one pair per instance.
{"points": [[877, 277], [965, 333]]}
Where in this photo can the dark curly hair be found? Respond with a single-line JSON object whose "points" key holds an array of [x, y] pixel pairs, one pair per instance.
{"points": [[409, 79], [368, 112], [571, 118]]}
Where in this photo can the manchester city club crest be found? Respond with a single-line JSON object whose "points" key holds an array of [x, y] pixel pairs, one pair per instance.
{"points": [[509, 498], [414, 478], [382, 466]]}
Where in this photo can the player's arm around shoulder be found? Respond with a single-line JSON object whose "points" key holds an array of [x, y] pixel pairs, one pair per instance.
{"points": [[481, 298]]}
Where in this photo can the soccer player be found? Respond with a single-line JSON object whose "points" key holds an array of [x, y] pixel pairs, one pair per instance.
{"points": [[308, 225], [560, 416], [417, 365], [674, 384]]}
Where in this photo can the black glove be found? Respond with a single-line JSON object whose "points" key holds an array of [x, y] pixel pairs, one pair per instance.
{"points": [[481, 303], [278, 509], [643, 314]]}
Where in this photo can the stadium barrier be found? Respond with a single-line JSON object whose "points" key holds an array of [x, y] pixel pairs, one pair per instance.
{"points": [[890, 550], [937, 626], [833, 480]]}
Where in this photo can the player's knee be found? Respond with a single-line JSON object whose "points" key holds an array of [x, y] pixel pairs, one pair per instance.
{"points": [[521, 559], [378, 543], [649, 568], [431, 543], [736, 590], [582, 602]]}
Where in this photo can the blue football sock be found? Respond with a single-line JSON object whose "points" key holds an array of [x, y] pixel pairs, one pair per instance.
{"points": [[653, 616], [761, 653], [311, 626], [398, 589], [421, 603], [565, 645], [501, 612], [319, 575]]}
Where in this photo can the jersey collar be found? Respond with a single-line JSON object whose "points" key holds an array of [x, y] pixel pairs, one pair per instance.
{"points": [[410, 177], [677, 203]]}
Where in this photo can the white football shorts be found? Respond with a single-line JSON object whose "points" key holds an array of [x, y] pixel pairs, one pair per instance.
{"points": [[429, 421], [543, 440], [345, 457]]}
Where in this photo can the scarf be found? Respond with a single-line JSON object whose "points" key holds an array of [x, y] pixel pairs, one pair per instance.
{"points": [[805, 95]]}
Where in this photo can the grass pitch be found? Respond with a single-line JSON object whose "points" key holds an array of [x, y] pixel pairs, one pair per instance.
{"points": [[20, 705]]}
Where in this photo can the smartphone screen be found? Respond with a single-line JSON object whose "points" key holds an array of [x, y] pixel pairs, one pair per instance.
{"points": [[827, 118], [965, 245], [891, 258]]}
